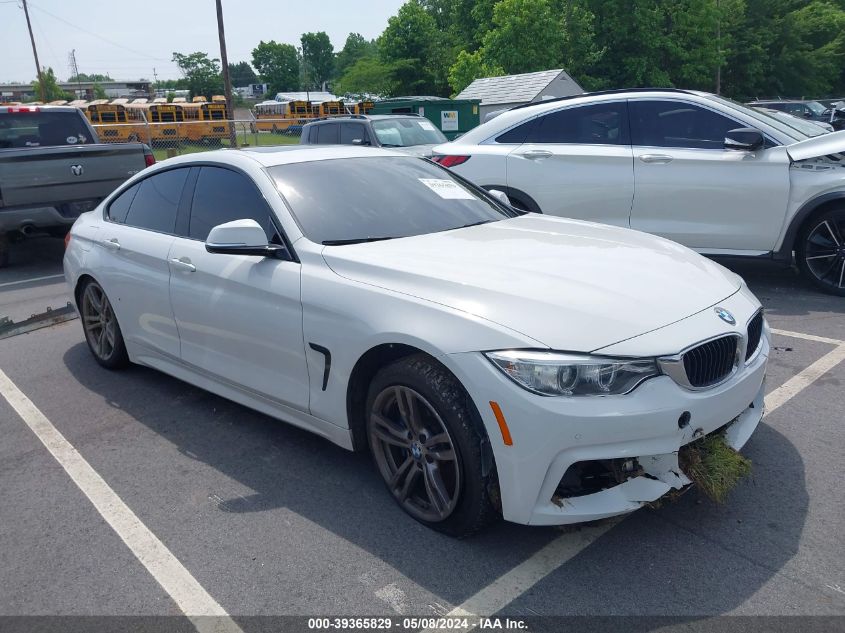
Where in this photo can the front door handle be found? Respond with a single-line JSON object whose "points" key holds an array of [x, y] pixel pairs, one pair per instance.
{"points": [[656, 159], [534, 154], [183, 263], [112, 244]]}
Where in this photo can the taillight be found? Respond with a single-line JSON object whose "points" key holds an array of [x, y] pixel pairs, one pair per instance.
{"points": [[17, 109], [67, 239], [451, 161], [149, 159]]}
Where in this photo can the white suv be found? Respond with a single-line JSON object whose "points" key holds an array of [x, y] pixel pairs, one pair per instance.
{"points": [[714, 175]]}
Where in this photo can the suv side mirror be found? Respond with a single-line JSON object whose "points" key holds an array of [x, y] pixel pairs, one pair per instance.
{"points": [[744, 138], [242, 237]]}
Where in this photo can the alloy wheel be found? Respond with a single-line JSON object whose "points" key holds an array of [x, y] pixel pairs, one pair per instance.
{"points": [[99, 321], [415, 453], [824, 252]]}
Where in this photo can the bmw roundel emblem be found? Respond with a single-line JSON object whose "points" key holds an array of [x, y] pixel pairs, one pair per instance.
{"points": [[726, 316]]}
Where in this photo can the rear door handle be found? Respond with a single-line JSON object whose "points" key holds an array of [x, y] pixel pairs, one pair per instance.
{"points": [[183, 263], [112, 244], [534, 154], [656, 159]]}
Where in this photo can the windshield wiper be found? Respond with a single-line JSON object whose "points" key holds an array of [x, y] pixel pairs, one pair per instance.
{"points": [[356, 240]]}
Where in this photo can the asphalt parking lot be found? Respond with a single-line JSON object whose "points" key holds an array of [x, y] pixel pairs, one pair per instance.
{"points": [[260, 518]]}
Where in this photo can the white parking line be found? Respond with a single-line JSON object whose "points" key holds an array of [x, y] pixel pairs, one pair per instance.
{"points": [[803, 379], [26, 281], [187, 593], [505, 589], [808, 337]]}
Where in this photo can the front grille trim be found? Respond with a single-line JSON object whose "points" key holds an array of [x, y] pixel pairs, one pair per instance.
{"points": [[674, 367], [754, 336], [711, 363]]}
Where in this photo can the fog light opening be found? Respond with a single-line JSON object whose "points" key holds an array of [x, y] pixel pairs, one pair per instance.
{"points": [[589, 477]]}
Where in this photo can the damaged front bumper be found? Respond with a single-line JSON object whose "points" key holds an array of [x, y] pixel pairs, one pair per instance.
{"points": [[626, 447]]}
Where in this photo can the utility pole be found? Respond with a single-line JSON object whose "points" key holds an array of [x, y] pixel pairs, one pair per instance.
{"points": [[227, 83], [74, 69], [35, 52]]}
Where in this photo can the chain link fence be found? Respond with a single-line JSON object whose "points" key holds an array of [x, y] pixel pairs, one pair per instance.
{"points": [[184, 137]]}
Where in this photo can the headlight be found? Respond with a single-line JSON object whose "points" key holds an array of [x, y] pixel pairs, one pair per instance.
{"points": [[556, 374]]}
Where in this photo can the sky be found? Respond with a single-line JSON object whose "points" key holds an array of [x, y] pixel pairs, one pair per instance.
{"points": [[127, 40]]}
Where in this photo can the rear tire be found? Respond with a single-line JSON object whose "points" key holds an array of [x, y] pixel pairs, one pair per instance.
{"points": [[426, 441], [820, 252], [102, 332]]}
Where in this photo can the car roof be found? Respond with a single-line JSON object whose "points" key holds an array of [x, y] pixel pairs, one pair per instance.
{"points": [[365, 117], [284, 155]]}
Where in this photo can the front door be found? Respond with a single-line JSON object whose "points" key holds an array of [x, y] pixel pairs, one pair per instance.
{"points": [[690, 189], [239, 317]]}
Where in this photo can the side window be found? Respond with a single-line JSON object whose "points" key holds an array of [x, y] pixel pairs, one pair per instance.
{"points": [[222, 195], [326, 134], [517, 134], [351, 132], [157, 200], [599, 124], [678, 124], [119, 207]]}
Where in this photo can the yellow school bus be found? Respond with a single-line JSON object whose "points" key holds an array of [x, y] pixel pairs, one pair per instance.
{"points": [[330, 108], [116, 123], [165, 119], [205, 123]]}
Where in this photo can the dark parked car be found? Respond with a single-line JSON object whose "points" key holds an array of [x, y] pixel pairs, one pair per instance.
{"points": [[812, 110], [408, 132]]}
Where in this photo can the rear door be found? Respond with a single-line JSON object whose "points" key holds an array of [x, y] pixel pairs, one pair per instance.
{"points": [[133, 245], [576, 162], [692, 190], [239, 316]]}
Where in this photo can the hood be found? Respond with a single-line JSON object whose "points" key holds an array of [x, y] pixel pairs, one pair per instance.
{"points": [[571, 285], [818, 146]]}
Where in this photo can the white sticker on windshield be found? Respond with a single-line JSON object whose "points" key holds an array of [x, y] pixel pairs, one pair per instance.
{"points": [[447, 189], [426, 125], [71, 140]]}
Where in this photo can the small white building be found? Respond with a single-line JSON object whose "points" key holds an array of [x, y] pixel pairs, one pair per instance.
{"points": [[502, 93]]}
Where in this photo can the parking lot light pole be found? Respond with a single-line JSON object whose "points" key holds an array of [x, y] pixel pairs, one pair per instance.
{"points": [[227, 82]]}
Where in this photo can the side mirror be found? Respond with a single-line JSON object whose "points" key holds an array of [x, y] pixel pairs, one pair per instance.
{"points": [[242, 237], [501, 196], [744, 138]]}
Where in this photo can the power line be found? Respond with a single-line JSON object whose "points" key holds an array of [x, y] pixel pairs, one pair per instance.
{"points": [[97, 35]]}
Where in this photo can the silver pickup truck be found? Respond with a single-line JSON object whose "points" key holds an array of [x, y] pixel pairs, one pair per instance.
{"points": [[52, 168]]}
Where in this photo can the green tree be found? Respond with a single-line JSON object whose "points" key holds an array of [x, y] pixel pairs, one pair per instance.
{"points": [[99, 91], [356, 48], [82, 77], [468, 67], [317, 58], [410, 47], [524, 38], [52, 92], [242, 74], [367, 76], [278, 65], [201, 72]]}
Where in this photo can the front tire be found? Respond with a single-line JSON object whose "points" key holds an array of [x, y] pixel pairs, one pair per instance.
{"points": [[102, 332], [821, 251], [426, 439]]}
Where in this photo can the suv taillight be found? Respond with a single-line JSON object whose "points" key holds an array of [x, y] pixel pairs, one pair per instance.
{"points": [[450, 161]]}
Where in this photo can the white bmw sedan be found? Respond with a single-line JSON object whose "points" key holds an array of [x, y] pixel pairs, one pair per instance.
{"points": [[494, 363]]}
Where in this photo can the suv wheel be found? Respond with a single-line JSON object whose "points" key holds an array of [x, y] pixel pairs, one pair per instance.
{"points": [[426, 442], [821, 251]]}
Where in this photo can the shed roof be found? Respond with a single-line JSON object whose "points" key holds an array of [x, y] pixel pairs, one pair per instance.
{"points": [[510, 88]]}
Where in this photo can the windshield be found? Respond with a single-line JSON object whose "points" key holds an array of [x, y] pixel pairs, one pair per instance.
{"points": [[780, 126], [379, 197], [800, 125], [816, 107], [406, 132]]}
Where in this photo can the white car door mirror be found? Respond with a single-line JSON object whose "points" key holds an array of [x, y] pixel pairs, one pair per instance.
{"points": [[744, 138], [501, 196], [242, 237]]}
